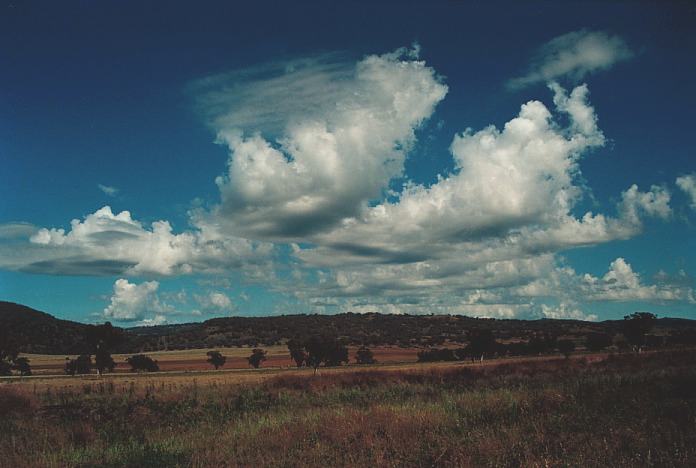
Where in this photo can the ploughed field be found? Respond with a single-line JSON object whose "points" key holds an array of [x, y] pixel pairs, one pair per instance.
{"points": [[618, 410]]}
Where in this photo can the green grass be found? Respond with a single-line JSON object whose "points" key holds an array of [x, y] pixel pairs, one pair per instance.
{"points": [[626, 411]]}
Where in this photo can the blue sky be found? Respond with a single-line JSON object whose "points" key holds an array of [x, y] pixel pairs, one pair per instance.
{"points": [[501, 160]]}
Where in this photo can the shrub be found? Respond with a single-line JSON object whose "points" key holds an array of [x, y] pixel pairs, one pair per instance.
{"points": [[215, 358], [81, 365], [256, 358], [364, 356], [141, 362]]}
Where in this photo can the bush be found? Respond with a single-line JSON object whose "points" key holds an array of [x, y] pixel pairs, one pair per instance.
{"points": [[256, 358], [81, 365], [215, 358], [435, 354], [566, 347], [141, 362], [364, 356]]}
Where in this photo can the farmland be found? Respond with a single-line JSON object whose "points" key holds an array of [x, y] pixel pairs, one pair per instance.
{"points": [[609, 410], [195, 359]]}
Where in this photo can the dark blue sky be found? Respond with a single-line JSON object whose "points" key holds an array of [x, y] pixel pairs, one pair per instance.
{"points": [[103, 93]]}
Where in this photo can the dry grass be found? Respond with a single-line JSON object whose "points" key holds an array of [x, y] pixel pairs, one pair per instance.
{"points": [[622, 411]]}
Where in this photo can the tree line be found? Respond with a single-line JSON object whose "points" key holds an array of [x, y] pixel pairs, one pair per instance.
{"points": [[635, 331]]}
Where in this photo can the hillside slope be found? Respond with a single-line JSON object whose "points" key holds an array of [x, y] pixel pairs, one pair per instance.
{"points": [[39, 332]]}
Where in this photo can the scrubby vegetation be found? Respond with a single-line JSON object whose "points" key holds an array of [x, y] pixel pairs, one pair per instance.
{"points": [[627, 410], [37, 332]]}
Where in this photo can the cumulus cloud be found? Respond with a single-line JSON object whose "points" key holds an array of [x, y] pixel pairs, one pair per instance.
{"points": [[495, 223], [621, 283], [329, 162], [565, 311], [154, 321], [687, 184], [110, 191], [108, 243], [574, 55], [510, 197], [214, 303], [313, 169], [132, 302]]}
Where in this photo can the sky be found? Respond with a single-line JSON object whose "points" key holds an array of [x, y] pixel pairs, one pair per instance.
{"points": [[165, 162]]}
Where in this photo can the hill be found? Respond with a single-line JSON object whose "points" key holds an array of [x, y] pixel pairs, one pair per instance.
{"points": [[39, 332]]}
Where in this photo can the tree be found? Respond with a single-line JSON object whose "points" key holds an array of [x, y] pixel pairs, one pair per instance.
{"points": [[101, 339], [141, 362], [9, 356], [597, 341], [364, 356], [566, 347], [436, 354], [636, 326], [21, 364], [540, 344], [297, 352], [103, 361], [215, 358], [481, 342], [256, 358], [80, 365], [318, 350]]}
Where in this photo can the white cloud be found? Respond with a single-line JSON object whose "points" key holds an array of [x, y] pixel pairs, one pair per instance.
{"points": [[621, 283], [495, 224], [654, 203], [105, 243], [566, 311], [110, 191], [574, 55], [328, 163], [313, 166], [688, 184], [154, 321], [511, 196], [215, 303], [131, 302]]}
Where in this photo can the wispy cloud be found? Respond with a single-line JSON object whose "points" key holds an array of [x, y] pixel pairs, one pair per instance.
{"points": [[687, 184], [573, 55], [110, 191]]}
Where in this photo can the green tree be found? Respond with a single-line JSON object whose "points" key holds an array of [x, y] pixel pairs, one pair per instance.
{"points": [[324, 350], [481, 342], [101, 340], [566, 347], [216, 359], [21, 365], [80, 365], [636, 326], [141, 362], [256, 358], [364, 356], [597, 341], [9, 356], [297, 352]]}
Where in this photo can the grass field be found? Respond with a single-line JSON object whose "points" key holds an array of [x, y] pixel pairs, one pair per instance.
{"points": [[627, 410]]}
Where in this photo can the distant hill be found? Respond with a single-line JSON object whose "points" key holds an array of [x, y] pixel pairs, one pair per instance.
{"points": [[38, 332]]}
